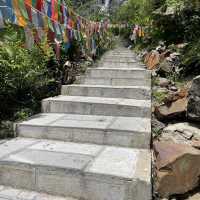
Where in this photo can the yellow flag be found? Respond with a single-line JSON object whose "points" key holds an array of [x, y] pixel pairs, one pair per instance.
{"points": [[21, 20]]}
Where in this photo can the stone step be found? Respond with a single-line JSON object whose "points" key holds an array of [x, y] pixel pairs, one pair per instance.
{"points": [[114, 55], [118, 73], [124, 55], [82, 171], [97, 106], [121, 50], [119, 59], [9, 193], [105, 130], [115, 81], [129, 92], [110, 64]]}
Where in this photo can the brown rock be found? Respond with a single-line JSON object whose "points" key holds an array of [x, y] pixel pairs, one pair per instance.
{"points": [[174, 110], [152, 60], [174, 96], [177, 168]]}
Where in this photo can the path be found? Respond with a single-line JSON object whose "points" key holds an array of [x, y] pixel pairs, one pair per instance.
{"points": [[92, 142]]}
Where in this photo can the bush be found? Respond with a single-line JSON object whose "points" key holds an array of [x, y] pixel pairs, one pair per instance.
{"points": [[24, 76], [191, 59]]}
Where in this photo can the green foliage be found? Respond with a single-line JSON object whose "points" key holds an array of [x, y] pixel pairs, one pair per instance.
{"points": [[170, 21], [24, 76], [191, 59], [133, 12], [159, 96], [177, 21]]}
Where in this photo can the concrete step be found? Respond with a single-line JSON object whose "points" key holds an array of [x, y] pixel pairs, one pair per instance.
{"points": [[97, 106], [105, 130], [118, 73], [110, 64], [114, 55], [9, 193], [129, 92], [121, 50], [119, 59], [115, 81], [82, 171]]}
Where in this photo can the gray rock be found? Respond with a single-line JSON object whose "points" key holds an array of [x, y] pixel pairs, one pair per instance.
{"points": [[173, 88], [181, 133], [166, 67], [157, 127], [163, 82], [195, 197], [174, 55], [193, 109]]}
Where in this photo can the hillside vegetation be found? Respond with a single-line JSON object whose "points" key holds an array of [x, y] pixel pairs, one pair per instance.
{"points": [[170, 21]]}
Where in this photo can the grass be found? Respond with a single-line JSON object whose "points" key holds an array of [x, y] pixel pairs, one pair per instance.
{"points": [[159, 96]]}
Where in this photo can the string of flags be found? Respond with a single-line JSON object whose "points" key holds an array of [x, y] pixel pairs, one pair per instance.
{"points": [[54, 20]]}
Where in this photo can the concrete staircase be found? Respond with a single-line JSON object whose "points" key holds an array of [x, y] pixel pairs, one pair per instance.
{"points": [[90, 143]]}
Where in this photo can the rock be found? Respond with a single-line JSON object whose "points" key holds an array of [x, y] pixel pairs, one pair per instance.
{"points": [[174, 96], [163, 82], [165, 54], [161, 48], [169, 59], [181, 46], [187, 130], [173, 88], [196, 144], [157, 127], [175, 55], [152, 60], [193, 109], [165, 67], [195, 197], [174, 137], [176, 109], [170, 11], [177, 168]]}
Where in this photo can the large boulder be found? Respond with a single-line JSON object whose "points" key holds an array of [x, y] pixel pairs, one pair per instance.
{"points": [[152, 60], [176, 109], [177, 168], [193, 109]]}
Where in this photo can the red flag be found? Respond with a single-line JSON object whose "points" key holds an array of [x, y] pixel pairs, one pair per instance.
{"points": [[39, 5], [28, 8], [54, 10]]}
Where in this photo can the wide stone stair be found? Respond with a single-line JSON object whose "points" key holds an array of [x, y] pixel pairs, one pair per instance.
{"points": [[90, 143]]}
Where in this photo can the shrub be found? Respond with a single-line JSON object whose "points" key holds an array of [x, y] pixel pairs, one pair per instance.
{"points": [[24, 76]]}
